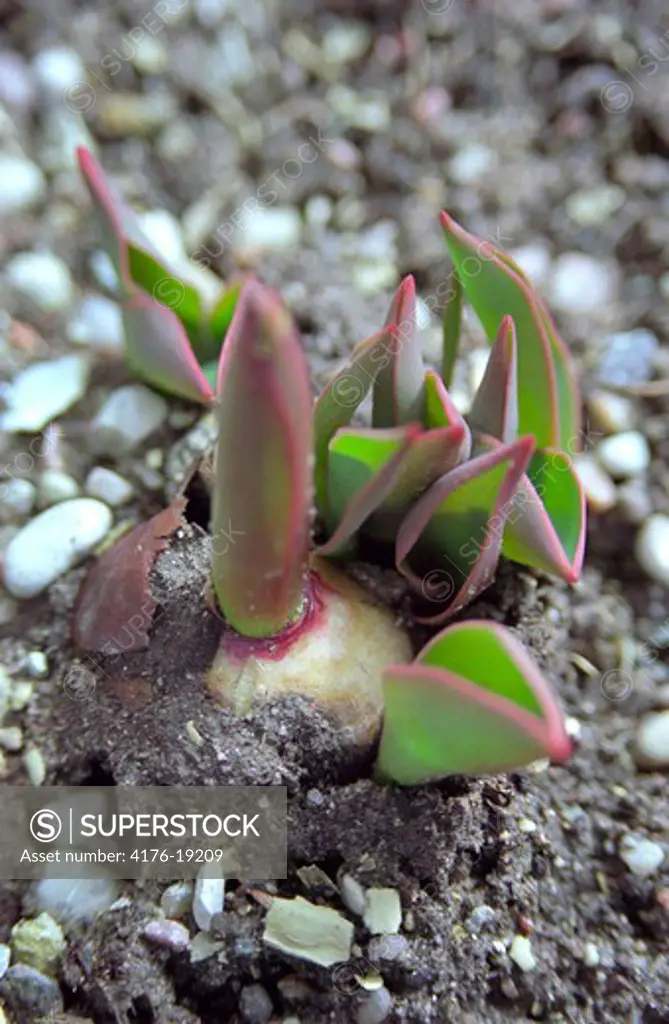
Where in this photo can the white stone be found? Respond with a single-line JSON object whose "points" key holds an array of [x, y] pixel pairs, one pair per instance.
{"points": [[164, 232], [57, 69], [642, 856], [35, 766], [11, 737], [590, 955], [299, 928], [652, 741], [23, 184], [104, 270], [128, 417], [18, 498], [5, 957], [352, 894], [521, 953], [471, 163], [383, 911], [108, 486], [17, 88], [582, 284], [55, 486], [345, 41], [588, 206], [52, 543], [374, 276], [278, 227], [74, 902], [176, 900], [612, 413], [150, 56], [42, 278], [599, 488], [43, 391], [97, 322], [208, 897], [534, 260], [624, 455], [652, 548], [37, 665]]}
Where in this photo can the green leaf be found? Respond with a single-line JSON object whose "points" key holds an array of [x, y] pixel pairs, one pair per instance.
{"points": [[262, 489], [495, 287], [224, 310], [451, 325], [545, 526], [156, 279], [473, 702], [449, 544]]}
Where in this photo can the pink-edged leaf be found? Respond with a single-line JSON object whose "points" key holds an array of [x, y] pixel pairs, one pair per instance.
{"points": [[449, 544], [547, 393], [158, 349], [398, 395], [495, 407], [545, 526], [441, 412], [341, 396], [451, 328], [114, 608], [262, 493], [473, 702]]}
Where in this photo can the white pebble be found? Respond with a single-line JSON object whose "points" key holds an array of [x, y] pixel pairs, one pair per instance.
{"points": [[5, 957], [42, 278], [37, 665], [57, 69], [55, 486], [23, 184], [383, 911], [177, 899], [97, 322], [471, 163], [624, 455], [521, 953], [35, 766], [74, 901], [43, 391], [598, 486], [108, 486], [652, 548], [278, 227], [208, 898], [11, 738], [128, 417], [641, 856], [582, 284], [588, 206], [352, 894], [652, 741], [612, 413], [534, 260], [18, 498], [52, 543], [150, 56], [590, 955]]}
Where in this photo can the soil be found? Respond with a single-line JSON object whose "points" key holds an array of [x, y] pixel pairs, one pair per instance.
{"points": [[538, 848]]}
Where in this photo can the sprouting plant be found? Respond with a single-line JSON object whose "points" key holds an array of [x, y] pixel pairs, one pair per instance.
{"points": [[449, 497]]}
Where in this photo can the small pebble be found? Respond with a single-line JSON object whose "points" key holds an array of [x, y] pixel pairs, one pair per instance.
{"points": [[591, 206], [534, 260], [38, 942], [52, 543], [387, 947], [43, 391], [203, 947], [55, 486], [624, 455], [5, 957], [17, 88], [479, 918], [11, 738], [35, 766], [150, 56], [29, 994], [521, 953], [108, 486], [21, 695], [97, 322], [627, 357], [634, 502], [57, 69], [652, 741], [130, 415], [642, 856], [277, 227], [123, 114], [208, 899], [375, 1008], [582, 284], [37, 664], [471, 164], [352, 894], [590, 955], [383, 911], [170, 934], [599, 488], [42, 278], [255, 1004], [23, 184], [74, 902], [652, 548], [176, 900], [612, 413], [18, 498]]}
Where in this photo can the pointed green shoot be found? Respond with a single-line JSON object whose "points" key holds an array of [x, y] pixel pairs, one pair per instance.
{"points": [[495, 407], [375, 476], [545, 525], [451, 326], [453, 534], [398, 395], [339, 400], [547, 393], [473, 702], [262, 496], [157, 350], [224, 310]]}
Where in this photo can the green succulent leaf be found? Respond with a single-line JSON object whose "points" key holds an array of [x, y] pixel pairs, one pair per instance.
{"points": [[224, 310], [158, 351], [473, 702], [495, 408], [398, 393], [452, 326], [449, 543], [157, 280], [262, 491], [545, 527], [548, 398]]}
